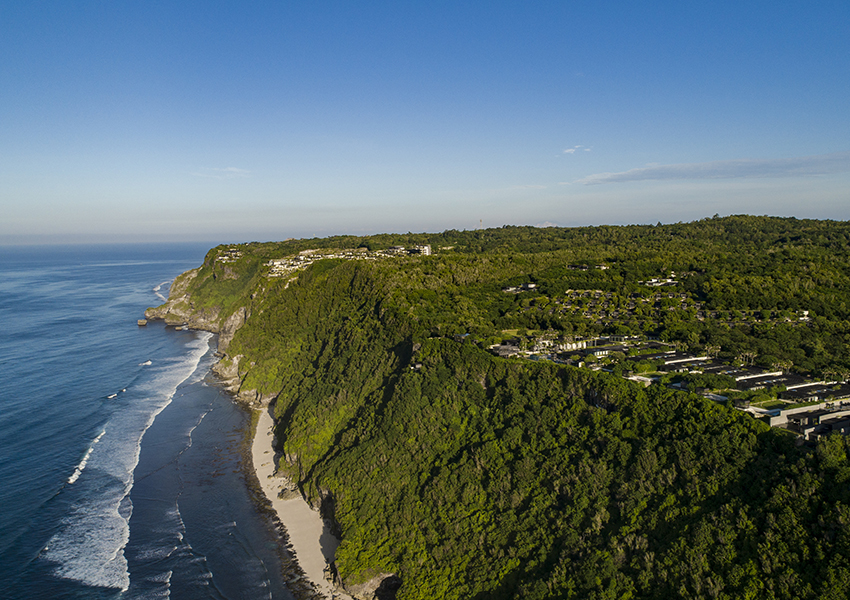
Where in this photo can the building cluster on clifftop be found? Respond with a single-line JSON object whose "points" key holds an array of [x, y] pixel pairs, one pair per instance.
{"points": [[281, 267]]}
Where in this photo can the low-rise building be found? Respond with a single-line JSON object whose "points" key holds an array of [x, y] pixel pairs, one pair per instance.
{"points": [[504, 350], [822, 420]]}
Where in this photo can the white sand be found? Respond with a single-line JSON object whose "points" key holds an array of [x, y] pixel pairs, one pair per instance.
{"points": [[309, 537]]}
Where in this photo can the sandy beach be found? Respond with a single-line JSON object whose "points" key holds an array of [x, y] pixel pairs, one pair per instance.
{"points": [[309, 537]]}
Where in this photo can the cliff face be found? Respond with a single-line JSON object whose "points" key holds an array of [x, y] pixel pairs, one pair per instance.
{"points": [[189, 304], [469, 476], [186, 305], [180, 309], [303, 320]]}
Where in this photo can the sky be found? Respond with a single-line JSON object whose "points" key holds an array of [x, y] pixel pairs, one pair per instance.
{"points": [[234, 121]]}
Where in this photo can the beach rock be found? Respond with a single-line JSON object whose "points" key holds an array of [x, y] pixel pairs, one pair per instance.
{"points": [[227, 370], [383, 586], [289, 490], [255, 398]]}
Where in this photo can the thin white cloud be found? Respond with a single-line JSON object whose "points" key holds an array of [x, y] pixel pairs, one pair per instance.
{"points": [[823, 164], [225, 173], [573, 149]]}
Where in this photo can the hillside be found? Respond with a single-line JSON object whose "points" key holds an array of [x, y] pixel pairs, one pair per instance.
{"points": [[467, 475]]}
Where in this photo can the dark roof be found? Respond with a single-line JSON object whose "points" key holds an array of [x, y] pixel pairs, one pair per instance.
{"points": [[505, 350], [613, 348], [769, 381], [808, 391], [809, 414], [653, 356], [718, 369]]}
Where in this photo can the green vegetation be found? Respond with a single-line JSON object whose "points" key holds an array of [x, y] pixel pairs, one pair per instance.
{"points": [[472, 476], [771, 404]]}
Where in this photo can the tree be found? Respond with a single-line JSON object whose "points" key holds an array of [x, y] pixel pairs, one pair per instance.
{"points": [[712, 350]]}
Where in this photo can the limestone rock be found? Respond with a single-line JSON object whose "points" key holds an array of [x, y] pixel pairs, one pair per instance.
{"points": [[381, 587], [230, 327]]}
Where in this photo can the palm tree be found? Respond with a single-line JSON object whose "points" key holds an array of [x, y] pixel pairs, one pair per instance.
{"points": [[782, 365], [712, 350], [747, 358]]}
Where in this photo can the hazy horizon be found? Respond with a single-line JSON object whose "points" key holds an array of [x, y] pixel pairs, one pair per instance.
{"points": [[208, 243], [224, 121]]}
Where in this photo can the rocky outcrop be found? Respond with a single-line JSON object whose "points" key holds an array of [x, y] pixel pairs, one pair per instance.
{"points": [[227, 370], [230, 327], [179, 309], [255, 398], [381, 587]]}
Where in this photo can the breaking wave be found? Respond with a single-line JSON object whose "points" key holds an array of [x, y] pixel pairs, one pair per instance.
{"points": [[78, 471], [89, 546]]}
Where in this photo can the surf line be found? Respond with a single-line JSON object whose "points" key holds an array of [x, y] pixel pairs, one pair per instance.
{"points": [[78, 471], [159, 287]]}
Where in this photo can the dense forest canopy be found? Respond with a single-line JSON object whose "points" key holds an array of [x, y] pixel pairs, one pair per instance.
{"points": [[472, 476]]}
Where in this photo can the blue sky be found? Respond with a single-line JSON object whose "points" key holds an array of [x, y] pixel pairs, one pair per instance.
{"points": [[228, 121]]}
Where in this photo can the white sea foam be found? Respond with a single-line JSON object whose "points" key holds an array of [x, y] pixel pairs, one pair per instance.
{"points": [[162, 577], [155, 553], [159, 287], [89, 549], [161, 592], [78, 471], [89, 546], [189, 445], [165, 590]]}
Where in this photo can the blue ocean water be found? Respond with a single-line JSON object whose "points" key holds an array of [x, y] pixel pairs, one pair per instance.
{"points": [[121, 461]]}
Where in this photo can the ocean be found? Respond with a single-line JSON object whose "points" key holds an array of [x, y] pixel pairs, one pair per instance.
{"points": [[122, 463]]}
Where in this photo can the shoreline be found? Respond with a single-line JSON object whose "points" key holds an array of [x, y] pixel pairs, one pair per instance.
{"points": [[309, 537], [306, 535]]}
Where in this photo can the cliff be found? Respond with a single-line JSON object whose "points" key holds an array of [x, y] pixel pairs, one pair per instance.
{"points": [[223, 314], [465, 475]]}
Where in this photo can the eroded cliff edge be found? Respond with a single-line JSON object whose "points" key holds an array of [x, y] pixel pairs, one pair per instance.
{"points": [[471, 476], [224, 317], [196, 301]]}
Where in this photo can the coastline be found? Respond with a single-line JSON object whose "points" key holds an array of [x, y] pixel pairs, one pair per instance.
{"points": [[309, 537]]}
